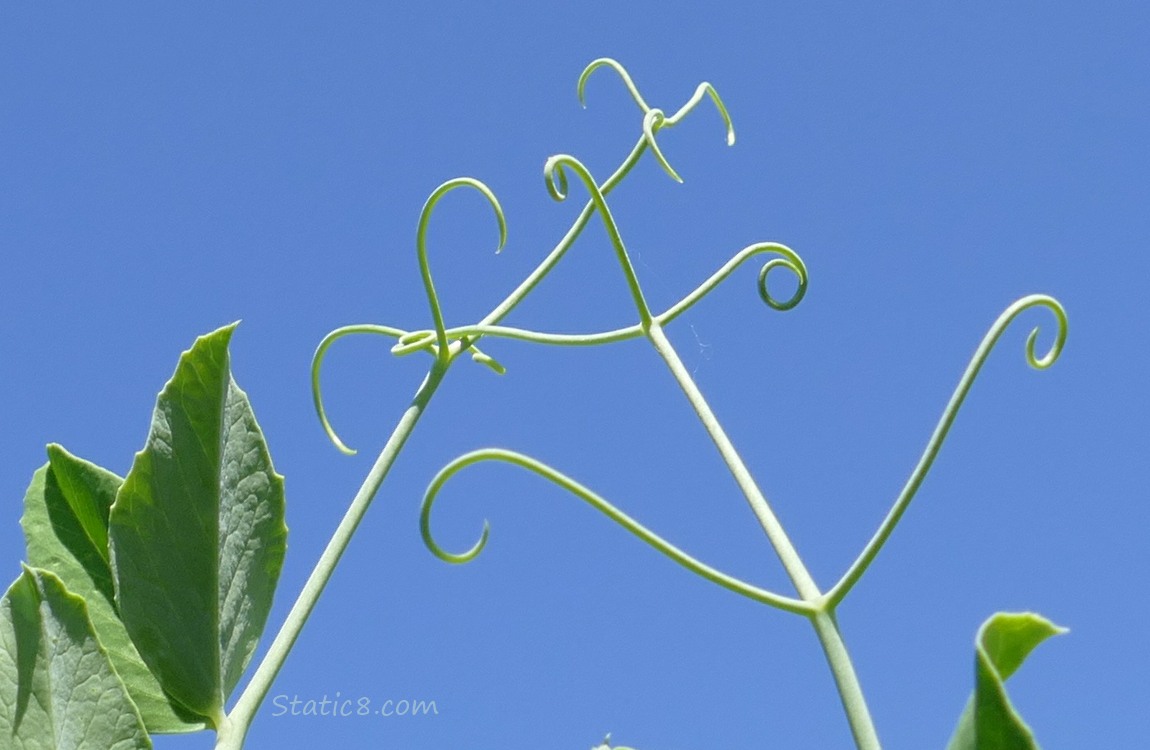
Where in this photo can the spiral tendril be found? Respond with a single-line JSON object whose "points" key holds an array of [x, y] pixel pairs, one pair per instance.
{"points": [[795, 265], [583, 493], [860, 565]]}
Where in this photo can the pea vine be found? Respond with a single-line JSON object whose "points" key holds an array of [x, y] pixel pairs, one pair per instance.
{"points": [[144, 596]]}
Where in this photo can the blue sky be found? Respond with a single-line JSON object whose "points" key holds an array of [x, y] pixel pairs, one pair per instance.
{"points": [[165, 172]]}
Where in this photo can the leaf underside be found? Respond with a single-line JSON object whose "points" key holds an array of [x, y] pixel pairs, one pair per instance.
{"points": [[58, 688], [197, 533], [65, 525]]}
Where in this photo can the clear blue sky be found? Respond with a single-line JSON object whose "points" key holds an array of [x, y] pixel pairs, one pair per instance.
{"points": [[165, 172]]}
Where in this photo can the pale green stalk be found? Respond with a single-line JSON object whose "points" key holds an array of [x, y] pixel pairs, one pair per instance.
{"points": [[789, 557], [249, 702]]}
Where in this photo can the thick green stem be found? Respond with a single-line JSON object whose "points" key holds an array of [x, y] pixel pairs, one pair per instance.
{"points": [[847, 682], [241, 715]]}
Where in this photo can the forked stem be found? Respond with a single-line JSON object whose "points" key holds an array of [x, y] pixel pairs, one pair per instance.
{"points": [[842, 669]]}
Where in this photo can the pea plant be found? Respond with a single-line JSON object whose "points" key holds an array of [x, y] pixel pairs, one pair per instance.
{"points": [[143, 598]]}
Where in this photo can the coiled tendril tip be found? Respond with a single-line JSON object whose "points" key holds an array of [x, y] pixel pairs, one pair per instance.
{"points": [[793, 263], [653, 118], [454, 558], [555, 178], [1055, 351]]}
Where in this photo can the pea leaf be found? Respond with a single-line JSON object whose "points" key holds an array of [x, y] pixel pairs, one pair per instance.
{"points": [[989, 721], [66, 528], [58, 689], [197, 533]]}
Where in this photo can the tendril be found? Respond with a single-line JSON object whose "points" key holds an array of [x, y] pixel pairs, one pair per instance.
{"points": [[406, 343], [435, 342], [421, 247], [555, 176], [609, 63], [855, 572], [562, 480], [317, 363], [790, 261], [424, 340], [439, 342], [652, 121], [705, 89], [653, 118]]}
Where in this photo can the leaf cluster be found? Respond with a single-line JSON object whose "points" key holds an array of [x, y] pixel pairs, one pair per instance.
{"points": [[144, 596]]}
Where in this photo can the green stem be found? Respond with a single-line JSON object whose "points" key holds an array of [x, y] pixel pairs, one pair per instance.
{"points": [[241, 715], [789, 557], [520, 292], [847, 682], [822, 618]]}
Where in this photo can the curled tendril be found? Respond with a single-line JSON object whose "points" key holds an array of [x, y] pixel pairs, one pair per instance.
{"points": [[421, 247], [705, 89], [435, 342], [859, 566], [609, 63], [609, 510], [653, 118], [555, 176], [317, 364]]}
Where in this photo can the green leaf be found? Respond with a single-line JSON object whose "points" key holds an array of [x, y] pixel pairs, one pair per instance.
{"points": [[197, 533], [989, 721], [66, 528], [58, 689]]}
